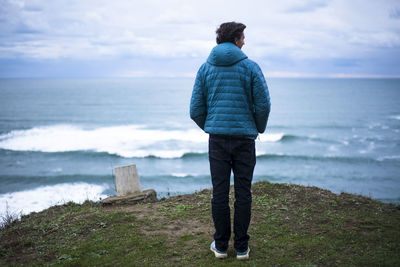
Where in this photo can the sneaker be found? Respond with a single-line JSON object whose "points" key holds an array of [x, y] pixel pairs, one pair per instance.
{"points": [[218, 254], [243, 255]]}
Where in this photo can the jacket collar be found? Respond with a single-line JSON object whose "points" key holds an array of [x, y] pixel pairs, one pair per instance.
{"points": [[225, 54]]}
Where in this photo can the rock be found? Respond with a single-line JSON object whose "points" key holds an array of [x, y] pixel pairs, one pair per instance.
{"points": [[145, 196]]}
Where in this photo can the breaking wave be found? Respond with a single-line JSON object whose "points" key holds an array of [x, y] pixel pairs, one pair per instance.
{"points": [[129, 141]]}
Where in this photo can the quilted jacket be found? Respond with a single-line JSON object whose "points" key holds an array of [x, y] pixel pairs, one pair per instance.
{"points": [[230, 95]]}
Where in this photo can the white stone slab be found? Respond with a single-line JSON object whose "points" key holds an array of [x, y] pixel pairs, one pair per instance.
{"points": [[127, 180]]}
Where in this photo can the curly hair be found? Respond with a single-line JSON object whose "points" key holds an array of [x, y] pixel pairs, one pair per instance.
{"points": [[229, 31]]}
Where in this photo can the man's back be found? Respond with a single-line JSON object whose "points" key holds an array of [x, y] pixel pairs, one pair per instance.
{"points": [[228, 88]]}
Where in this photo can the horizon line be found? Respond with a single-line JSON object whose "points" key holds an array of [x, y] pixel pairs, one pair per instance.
{"points": [[186, 76]]}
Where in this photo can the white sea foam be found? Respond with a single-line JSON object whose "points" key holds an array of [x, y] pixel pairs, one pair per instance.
{"points": [[43, 197], [396, 117], [374, 125], [394, 157], [166, 154], [125, 140], [333, 148], [368, 149], [271, 137], [180, 174], [57, 170]]}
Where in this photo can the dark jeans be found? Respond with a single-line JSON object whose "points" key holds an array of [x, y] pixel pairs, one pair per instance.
{"points": [[226, 154]]}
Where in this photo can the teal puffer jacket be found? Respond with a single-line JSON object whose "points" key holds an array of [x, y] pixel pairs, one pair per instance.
{"points": [[230, 95]]}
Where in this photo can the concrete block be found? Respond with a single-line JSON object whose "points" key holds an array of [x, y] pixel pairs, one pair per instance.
{"points": [[127, 180]]}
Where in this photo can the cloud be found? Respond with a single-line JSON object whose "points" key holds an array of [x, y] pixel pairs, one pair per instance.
{"points": [[284, 36], [25, 29], [307, 6], [395, 13]]}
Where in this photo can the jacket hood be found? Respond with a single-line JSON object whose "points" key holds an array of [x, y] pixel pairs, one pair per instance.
{"points": [[225, 54]]}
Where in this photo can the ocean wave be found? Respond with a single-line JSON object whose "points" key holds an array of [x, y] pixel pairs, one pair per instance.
{"points": [[156, 154], [322, 158], [396, 117], [194, 155], [129, 141], [75, 154], [126, 141], [11, 183], [261, 155], [181, 175], [389, 158], [292, 138], [271, 137], [43, 197]]}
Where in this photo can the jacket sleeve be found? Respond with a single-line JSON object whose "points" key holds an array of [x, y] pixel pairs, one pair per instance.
{"points": [[198, 105], [261, 99]]}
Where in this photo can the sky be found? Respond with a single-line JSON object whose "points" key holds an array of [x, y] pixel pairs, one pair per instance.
{"points": [[171, 38]]}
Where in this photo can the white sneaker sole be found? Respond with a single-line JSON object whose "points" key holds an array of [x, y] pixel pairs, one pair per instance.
{"points": [[243, 257], [219, 255]]}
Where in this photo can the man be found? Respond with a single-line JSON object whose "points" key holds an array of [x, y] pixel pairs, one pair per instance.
{"points": [[231, 102]]}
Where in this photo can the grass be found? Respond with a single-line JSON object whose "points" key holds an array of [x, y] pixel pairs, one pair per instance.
{"points": [[291, 225], [8, 218]]}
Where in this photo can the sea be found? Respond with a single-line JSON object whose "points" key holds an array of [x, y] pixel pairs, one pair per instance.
{"points": [[61, 139]]}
